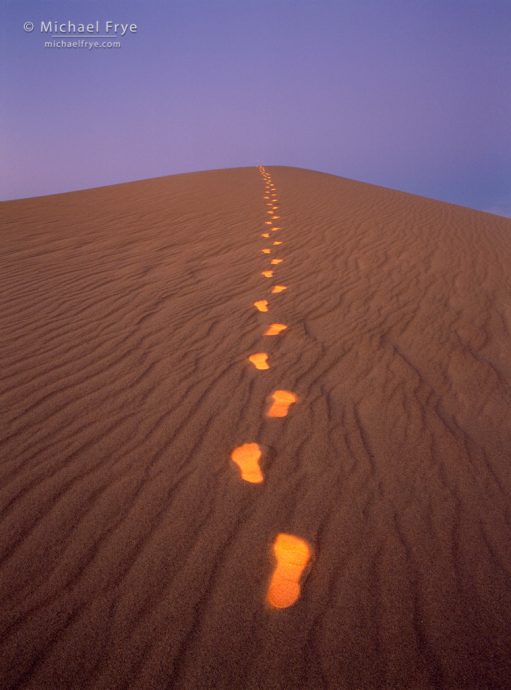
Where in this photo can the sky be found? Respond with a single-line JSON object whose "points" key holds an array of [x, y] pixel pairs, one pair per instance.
{"points": [[409, 94]]}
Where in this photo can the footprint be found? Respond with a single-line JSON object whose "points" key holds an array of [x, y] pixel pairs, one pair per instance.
{"points": [[275, 229], [281, 402], [259, 360], [277, 242], [247, 458], [261, 305], [267, 274], [266, 234], [275, 262], [275, 217], [278, 288], [275, 329], [268, 222], [266, 251], [292, 556]]}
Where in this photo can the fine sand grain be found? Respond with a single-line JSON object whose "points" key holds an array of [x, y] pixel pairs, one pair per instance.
{"points": [[134, 554]]}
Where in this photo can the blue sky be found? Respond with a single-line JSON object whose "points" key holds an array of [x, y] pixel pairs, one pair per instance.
{"points": [[409, 94]]}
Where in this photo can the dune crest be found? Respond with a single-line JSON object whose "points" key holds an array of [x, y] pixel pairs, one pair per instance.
{"points": [[135, 554]]}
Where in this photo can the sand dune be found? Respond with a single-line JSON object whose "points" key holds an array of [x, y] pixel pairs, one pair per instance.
{"points": [[368, 545]]}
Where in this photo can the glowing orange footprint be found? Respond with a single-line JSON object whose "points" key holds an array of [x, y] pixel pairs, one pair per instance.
{"points": [[281, 402], [266, 251], [268, 222], [266, 234], [277, 242], [259, 360], [267, 274], [292, 556], [275, 329], [261, 305], [275, 229], [275, 262], [247, 457], [278, 288]]}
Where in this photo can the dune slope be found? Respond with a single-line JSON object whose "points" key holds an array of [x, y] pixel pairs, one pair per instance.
{"points": [[134, 554]]}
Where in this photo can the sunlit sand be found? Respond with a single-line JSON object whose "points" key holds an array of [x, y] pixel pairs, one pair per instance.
{"points": [[267, 274], [261, 305], [275, 329], [281, 402], [278, 288], [247, 457], [259, 360], [292, 556], [276, 262]]}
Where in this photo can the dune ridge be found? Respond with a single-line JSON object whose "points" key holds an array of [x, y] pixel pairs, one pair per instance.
{"points": [[134, 555]]}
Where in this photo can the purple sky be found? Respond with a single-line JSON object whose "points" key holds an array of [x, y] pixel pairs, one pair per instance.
{"points": [[410, 94]]}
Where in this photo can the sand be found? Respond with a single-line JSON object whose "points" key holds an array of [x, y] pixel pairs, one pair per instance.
{"points": [[133, 553]]}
